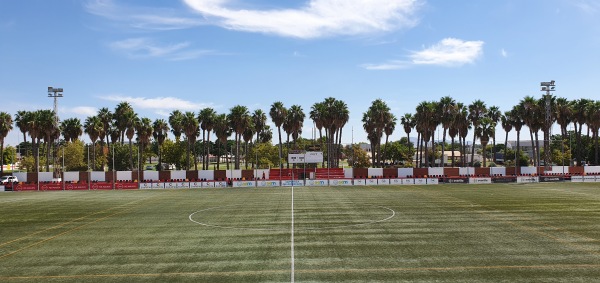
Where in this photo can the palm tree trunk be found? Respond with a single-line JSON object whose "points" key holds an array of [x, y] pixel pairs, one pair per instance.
{"points": [[188, 154], [473, 148], [207, 150], [281, 149], [2, 159], [443, 148], [452, 148], [518, 155], [533, 148], [494, 150], [130, 155], [385, 149], [537, 150], [596, 147], [203, 148], [505, 145], [48, 145], [483, 153], [578, 140], [418, 153]]}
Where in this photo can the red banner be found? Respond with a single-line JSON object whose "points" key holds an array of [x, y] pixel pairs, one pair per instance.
{"points": [[25, 187], [126, 186], [51, 187], [76, 186], [101, 186]]}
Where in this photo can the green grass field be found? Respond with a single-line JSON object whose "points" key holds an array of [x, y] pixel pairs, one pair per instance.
{"points": [[467, 233]]}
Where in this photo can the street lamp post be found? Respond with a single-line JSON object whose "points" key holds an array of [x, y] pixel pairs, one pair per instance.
{"points": [[547, 87]]}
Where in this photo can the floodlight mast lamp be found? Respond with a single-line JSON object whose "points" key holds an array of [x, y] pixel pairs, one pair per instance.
{"points": [[547, 87], [55, 93]]}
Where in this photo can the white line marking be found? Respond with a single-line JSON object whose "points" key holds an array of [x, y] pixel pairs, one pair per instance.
{"points": [[191, 218], [292, 232]]}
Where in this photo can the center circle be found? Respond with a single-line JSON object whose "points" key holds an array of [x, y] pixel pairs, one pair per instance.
{"points": [[274, 218]]}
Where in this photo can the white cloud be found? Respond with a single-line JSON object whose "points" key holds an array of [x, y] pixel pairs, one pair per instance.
{"points": [[147, 48], [503, 53], [591, 7], [160, 104], [83, 110], [449, 52], [141, 17], [317, 18]]}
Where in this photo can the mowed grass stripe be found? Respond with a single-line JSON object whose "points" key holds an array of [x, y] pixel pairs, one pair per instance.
{"points": [[440, 233]]}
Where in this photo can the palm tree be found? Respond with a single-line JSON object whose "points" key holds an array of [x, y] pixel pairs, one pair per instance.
{"points": [[266, 135], [34, 128], [477, 110], [239, 119], [259, 119], [222, 131], [445, 107], [317, 114], [206, 118], [517, 123], [341, 116], [296, 119], [49, 130], [463, 124], [425, 123], [160, 132], [122, 113], [22, 120], [92, 126], [130, 119], [564, 113], [144, 131], [485, 130], [247, 135], [278, 114], [388, 129], [71, 129], [176, 122], [594, 124], [190, 128], [494, 114], [580, 117], [374, 122], [408, 124], [106, 117], [530, 114], [5, 127], [506, 122]]}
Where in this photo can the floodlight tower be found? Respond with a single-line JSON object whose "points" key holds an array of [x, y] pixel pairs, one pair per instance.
{"points": [[547, 87], [55, 93]]}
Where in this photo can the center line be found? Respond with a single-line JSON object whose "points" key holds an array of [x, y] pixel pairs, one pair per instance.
{"points": [[292, 232]]}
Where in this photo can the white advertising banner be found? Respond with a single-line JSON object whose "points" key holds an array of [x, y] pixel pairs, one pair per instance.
{"points": [[268, 183], [244, 184], [588, 178], [371, 182], [340, 182], [395, 181], [195, 185], [220, 184], [433, 181], [577, 179], [383, 182], [316, 183], [408, 181], [145, 186], [289, 183], [420, 181], [158, 185], [480, 180], [208, 184], [527, 179], [359, 182]]}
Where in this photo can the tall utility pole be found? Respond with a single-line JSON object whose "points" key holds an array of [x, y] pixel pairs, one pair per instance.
{"points": [[547, 87], [55, 93]]}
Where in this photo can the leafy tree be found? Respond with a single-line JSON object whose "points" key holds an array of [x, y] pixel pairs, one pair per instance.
{"points": [[357, 157], [174, 153], [266, 154], [121, 158], [8, 155], [74, 155]]}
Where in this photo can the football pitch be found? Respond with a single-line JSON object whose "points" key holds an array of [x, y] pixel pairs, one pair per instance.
{"points": [[469, 233]]}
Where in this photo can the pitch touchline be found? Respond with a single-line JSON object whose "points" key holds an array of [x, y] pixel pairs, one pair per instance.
{"points": [[292, 237]]}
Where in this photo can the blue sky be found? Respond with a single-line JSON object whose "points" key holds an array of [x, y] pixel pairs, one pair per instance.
{"points": [[191, 54]]}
